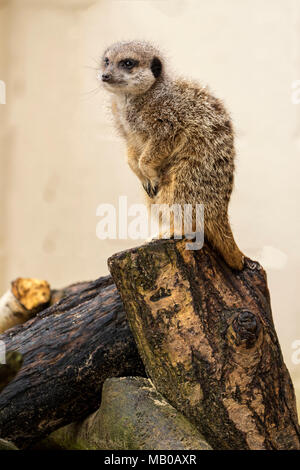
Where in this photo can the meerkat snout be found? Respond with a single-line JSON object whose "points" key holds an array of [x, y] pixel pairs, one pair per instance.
{"points": [[128, 69], [106, 77]]}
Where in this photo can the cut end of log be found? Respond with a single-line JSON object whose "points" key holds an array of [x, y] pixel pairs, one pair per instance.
{"points": [[31, 293]]}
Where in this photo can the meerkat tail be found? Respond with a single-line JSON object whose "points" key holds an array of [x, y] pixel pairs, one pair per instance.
{"points": [[221, 238]]}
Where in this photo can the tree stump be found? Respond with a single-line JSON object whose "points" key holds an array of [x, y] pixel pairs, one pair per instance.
{"points": [[207, 339]]}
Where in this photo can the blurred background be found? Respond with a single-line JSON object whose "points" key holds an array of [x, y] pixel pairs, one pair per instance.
{"points": [[60, 156]]}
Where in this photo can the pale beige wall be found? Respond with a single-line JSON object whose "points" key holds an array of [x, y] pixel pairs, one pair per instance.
{"points": [[60, 156]]}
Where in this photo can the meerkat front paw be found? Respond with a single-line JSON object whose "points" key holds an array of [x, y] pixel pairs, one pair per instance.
{"points": [[151, 187]]}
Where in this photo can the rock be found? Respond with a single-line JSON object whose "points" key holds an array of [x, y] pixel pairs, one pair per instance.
{"points": [[132, 416], [135, 416]]}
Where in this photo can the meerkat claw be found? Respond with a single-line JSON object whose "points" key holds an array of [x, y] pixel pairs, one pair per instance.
{"points": [[146, 187], [150, 189], [154, 189]]}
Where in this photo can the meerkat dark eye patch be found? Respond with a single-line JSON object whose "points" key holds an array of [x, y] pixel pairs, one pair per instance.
{"points": [[156, 67], [106, 61], [128, 64]]}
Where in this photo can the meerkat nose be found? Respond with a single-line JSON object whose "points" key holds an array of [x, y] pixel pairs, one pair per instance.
{"points": [[106, 77]]}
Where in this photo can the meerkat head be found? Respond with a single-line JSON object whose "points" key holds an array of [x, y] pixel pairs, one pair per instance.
{"points": [[130, 67]]}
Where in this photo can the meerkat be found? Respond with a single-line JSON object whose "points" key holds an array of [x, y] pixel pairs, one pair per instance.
{"points": [[180, 139]]}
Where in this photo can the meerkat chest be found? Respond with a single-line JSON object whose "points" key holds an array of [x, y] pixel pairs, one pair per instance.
{"points": [[134, 132], [120, 105]]}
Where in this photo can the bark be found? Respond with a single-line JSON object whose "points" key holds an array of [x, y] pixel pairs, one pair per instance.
{"points": [[208, 342], [69, 349]]}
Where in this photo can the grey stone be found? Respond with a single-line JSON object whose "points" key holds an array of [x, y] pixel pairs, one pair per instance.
{"points": [[133, 415]]}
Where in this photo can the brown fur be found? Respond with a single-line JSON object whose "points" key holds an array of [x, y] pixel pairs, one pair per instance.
{"points": [[179, 138]]}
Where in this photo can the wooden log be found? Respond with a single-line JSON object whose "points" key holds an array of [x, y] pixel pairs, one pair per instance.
{"points": [[207, 339], [69, 350], [29, 296]]}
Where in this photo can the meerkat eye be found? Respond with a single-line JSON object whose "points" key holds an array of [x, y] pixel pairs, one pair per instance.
{"points": [[127, 63], [106, 61]]}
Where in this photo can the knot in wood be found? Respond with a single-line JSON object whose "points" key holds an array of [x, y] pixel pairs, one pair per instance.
{"points": [[246, 328]]}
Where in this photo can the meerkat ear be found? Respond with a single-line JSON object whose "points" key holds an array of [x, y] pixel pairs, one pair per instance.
{"points": [[156, 67]]}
